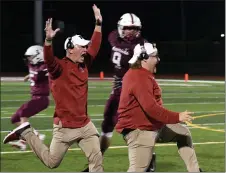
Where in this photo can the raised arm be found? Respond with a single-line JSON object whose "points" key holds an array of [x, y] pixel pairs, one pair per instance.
{"points": [[94, 46], [53, 66]]}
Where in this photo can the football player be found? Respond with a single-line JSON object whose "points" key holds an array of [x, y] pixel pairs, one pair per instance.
{"points": [[122, 41], [38, 77]]}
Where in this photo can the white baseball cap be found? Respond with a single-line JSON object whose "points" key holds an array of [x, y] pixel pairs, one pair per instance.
{"points": [[137, 51], [76, 40]]}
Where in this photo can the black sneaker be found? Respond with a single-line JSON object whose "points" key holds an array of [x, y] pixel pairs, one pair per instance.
{"points": [[86, 170], [152, 165], [15, 134], [200, 170]]}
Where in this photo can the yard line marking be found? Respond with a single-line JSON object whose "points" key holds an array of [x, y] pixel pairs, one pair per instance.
{"points": [[94, 115], [108, 87], [16, 79], [47, 116], [11, 113], [206, 128], [105, 98], [94, 94], [174, 93], [208, 115], [115, 147], [207, 124], [192, 85], [207, 111], [200, 103], [39, 130]]}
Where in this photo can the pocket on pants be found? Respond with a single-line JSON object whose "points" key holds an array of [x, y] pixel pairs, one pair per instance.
{"points": [[89, 130], [132, 136], [58, 133]]}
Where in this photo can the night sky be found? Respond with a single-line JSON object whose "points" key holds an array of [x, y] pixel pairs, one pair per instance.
{"points": [[187, 33]]}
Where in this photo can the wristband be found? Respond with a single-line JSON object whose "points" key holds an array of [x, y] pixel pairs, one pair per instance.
{"points": [[49, 40], [98, 22]]}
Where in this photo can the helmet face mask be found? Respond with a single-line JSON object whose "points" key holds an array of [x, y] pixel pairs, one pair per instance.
{"points": [[131, 33], [34, 54], [129, 26], [34, 59]]}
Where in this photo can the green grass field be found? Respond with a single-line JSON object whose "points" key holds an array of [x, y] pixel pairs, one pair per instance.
{"points": [[202, 98]]}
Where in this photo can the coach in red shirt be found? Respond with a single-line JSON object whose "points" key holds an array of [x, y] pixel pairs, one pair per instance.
{"points": [[69, 87], [142, 118]]}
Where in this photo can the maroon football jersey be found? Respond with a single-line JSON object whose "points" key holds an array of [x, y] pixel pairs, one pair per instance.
{"points": [[122, 52], [38, 77]]}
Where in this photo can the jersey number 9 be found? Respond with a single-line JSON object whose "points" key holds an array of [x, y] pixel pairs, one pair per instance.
{"points": [[116, 59]]}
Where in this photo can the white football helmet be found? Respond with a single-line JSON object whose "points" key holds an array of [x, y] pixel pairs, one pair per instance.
{"points": [[34, 54], [128, 19]]}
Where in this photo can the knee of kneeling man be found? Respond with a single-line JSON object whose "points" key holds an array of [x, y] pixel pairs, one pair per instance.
{"points": [[53, 164], [187, 132]]}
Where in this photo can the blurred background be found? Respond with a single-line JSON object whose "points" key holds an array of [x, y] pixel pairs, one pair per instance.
{"points": [[189, 34]]}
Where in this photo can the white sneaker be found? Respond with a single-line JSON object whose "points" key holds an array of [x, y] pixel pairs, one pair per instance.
{"points": [[41, 136], [21, 144]]}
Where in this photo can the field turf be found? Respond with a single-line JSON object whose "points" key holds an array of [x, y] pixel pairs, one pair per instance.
{"points": [[202, 98]]}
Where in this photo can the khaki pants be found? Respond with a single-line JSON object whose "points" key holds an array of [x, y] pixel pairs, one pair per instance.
{"points": [[63, 138], [141, 144]]}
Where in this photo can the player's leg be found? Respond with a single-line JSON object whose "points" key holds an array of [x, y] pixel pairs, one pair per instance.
{"points": [[36, 105], [90, 145], [140, 147], [31, 108], [181, 134], [52, 156], [110, 120]]}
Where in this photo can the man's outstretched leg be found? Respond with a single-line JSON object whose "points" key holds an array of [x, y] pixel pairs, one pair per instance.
{"points": [[51, 157], [182, 136]]}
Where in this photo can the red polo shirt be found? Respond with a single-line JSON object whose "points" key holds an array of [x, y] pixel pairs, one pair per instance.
{"points": [[69, 85], [140, 105]]}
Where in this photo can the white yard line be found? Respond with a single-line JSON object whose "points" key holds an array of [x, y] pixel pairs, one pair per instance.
{"points": [[108, 87], [91, 115], [193, 103], [196, 97], [211, 93], [97, 94], [207, 124], [117, 147], [14, 79], [11, 113], [47, 116]]}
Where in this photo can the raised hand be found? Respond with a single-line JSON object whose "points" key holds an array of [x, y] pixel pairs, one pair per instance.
{"points": [[50, 33], [97, 13]]}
